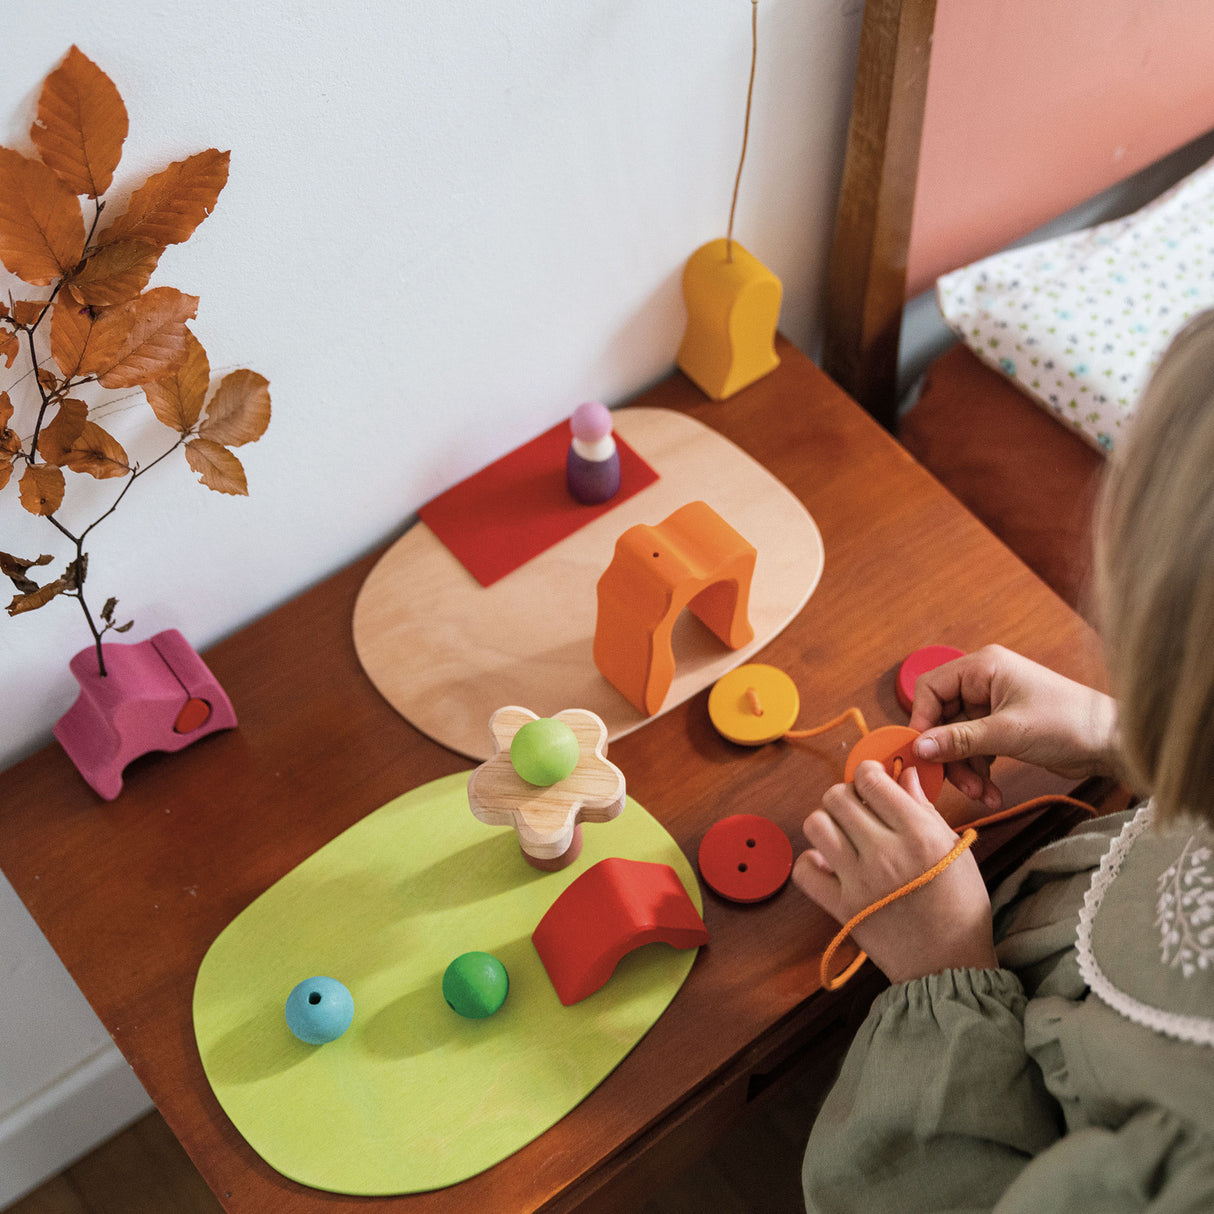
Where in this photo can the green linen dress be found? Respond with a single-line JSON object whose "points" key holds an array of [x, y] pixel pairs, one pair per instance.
{"points": [[1077, 1077]]}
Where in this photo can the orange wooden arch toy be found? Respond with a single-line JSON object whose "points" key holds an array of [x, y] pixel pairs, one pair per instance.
{"points": [[693, 559]]}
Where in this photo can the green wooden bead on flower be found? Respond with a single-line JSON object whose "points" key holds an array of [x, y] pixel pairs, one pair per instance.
{"points": [[544, 751]]}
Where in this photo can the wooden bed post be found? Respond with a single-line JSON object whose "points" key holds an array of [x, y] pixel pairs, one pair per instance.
{"points": [[866, 281]]}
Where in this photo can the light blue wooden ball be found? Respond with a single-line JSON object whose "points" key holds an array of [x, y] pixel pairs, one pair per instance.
{"points": [[319, 1010]]}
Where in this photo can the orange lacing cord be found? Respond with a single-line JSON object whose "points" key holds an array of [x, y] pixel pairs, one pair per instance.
{"points": [[963, 844], [851, 714]]}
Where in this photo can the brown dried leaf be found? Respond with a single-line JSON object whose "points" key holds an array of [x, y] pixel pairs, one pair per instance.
{"points": [[216, 466], [114, 273], [79, 345], [28, 311], [177, 399], [98, 453], [41, 227], [48, 379], [10, 444], [239, 412], [15, 569], [81, 125], [73, 575], [38, 598], [55, 439], [153, 336], [172, 203], [42, 489], [10, 347]]}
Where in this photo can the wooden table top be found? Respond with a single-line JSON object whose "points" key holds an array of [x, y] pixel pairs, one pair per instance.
{"points": [[132, 893]]}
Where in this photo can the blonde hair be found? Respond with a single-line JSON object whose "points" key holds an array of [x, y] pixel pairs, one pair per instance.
{"points": [[1155, 580]]}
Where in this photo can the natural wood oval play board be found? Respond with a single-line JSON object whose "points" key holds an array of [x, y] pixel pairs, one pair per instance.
{"points": [[413, 1096], [447, 652]]}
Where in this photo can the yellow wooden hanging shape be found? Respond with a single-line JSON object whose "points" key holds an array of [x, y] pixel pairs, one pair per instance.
{"points": [[733, 307], [733, 300]]}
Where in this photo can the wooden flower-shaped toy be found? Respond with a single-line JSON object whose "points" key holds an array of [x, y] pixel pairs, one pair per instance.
{"points": [[547, 776]]}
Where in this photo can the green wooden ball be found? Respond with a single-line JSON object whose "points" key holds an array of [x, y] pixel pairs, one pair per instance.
{"points": [[475, 985], [544, 751]]}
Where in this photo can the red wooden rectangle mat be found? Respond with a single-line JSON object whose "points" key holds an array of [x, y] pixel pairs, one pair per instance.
{"points": [[518, 506]]}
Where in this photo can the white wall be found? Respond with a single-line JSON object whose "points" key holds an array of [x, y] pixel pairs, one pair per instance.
{"points": [[446, 225]]}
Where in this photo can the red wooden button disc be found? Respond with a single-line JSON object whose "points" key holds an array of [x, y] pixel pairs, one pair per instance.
{"points": [[892, 742], [920, 662], [745, 858]]}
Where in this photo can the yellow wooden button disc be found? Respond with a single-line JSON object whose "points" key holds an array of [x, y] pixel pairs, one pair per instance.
{"points": [[754, 704]]}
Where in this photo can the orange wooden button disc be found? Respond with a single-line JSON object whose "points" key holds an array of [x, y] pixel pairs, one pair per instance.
{"points": [[745, 858], [892, 742]]}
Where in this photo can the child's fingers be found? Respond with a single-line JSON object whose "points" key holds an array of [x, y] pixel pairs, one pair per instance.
{"points": [[814, 878], [966, 739], [912, 784], [891, 803], [818, 860], [824, 834], [860, 809], [939, 694], [972, 779]]}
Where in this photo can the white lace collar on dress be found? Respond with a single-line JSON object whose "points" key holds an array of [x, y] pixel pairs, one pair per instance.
{"points": [[1155, 969]]}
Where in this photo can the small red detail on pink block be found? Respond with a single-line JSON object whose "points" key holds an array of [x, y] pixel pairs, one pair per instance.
{"points": [[193, 716], [920, 662], [615, 906], [745, 858], [156, 695]]}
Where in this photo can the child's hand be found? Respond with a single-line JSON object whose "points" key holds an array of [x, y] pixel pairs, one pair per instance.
{"points": [[869, 839], [999, 703]]}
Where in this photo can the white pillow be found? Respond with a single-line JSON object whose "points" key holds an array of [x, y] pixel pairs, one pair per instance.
{"points": [[1079, 322]]}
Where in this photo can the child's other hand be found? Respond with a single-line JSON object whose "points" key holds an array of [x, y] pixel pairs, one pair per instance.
{"points": [[995, 702], [871, 838]]}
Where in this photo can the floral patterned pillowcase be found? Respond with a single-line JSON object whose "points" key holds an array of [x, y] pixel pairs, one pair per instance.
{"points": [[1079, 322]]}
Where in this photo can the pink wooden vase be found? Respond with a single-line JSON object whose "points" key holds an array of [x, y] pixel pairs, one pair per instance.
{"points": [[156, 695]]}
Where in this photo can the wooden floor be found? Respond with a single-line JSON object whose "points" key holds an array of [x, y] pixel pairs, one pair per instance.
{"points": [[144, 1170]]}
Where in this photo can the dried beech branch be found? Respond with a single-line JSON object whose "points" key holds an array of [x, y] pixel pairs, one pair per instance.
{"points": [[100, 324]]}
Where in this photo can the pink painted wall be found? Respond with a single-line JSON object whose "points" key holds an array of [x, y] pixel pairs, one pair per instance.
{"points": [[1034, 105]]}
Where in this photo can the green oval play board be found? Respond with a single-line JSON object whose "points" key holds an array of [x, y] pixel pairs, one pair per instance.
{"points": [[413, 1096]]}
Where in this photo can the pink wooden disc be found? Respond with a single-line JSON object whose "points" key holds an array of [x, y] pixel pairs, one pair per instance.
{"points": [[920, 662]]}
